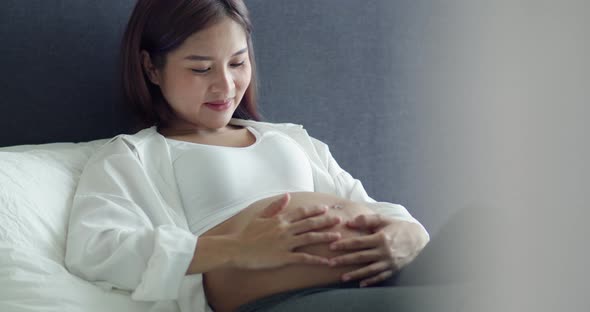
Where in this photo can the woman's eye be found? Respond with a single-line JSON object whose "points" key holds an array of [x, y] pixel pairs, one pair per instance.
{"points": [[237, 64], [201, 71]]}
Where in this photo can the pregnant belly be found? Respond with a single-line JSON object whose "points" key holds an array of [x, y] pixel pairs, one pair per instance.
{"points": [[226, 289]]}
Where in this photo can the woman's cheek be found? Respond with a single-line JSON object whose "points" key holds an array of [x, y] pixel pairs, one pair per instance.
{"points": [[244, 79]]}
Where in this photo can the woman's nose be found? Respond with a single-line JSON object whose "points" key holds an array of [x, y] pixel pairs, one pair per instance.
{"points": [[223, 83]]}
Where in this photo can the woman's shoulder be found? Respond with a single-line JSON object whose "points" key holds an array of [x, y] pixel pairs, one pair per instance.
{"points": [[136, 138], [127, 143]]}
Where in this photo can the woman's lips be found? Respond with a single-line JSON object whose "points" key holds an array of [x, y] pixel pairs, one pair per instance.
{"points": [[219, 105]]}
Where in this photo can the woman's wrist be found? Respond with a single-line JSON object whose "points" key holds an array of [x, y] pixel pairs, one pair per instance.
{"points": [[213, 252]]}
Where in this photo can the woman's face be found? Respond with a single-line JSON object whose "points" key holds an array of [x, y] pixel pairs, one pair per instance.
{"points": [[204, 79]]}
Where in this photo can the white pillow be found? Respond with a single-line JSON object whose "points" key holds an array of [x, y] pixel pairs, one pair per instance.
{"points": [[36, 189], [37, 183]]}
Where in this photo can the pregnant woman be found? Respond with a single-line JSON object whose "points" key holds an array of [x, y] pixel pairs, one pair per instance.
{"points": [[208, 208]]}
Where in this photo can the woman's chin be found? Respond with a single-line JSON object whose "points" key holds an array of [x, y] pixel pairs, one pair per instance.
{"points": [[217, 120]]}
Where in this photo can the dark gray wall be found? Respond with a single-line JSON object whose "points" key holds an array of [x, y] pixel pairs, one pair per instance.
{"points": [[346, 71], [59, 64]]}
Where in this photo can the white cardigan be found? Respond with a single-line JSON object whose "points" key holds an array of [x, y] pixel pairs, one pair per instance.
{"points": [[127, 227]]}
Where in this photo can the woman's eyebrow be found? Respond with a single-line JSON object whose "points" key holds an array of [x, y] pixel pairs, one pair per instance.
{"points": [[208, 58]]}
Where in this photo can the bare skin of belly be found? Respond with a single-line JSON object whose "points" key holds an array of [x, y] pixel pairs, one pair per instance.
{"points": [[227, 289]]}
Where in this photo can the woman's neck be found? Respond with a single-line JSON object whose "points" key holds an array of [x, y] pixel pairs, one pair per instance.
{"points": [[194, 130]]}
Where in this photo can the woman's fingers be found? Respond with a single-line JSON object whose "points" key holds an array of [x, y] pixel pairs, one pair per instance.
{"points": [[370, 271], [313, 224], [304, 258], [276, 206], [376, 279], [302, 212], [312, 238], [367, 221], [360, 242], [364, 256]]}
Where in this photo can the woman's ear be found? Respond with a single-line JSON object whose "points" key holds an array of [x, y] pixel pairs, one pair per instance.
{"points": [[149, 68]]}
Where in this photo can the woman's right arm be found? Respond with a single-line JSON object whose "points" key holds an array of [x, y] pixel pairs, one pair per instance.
{"points": [[120, 232]]}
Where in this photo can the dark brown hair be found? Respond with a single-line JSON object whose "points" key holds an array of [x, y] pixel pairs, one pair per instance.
{"points": [[159, 27]]}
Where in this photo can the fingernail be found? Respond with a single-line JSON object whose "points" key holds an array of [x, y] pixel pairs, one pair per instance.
{"points": [[333, 247], [346, 278], [333, 262]]}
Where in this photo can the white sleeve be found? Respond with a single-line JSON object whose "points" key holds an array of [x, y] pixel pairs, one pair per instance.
{"points": [[118, 233], [352, 189]]}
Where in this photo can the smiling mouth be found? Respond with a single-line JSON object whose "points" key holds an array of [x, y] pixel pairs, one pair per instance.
{"points": [[219, 102], [219, 105]]}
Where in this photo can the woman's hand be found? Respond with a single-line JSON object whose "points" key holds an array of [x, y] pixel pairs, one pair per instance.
{"points": [[269, 239], [392, 244]]}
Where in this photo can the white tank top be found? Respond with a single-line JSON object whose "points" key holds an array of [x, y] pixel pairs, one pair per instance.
{"points": [[216, 182]]}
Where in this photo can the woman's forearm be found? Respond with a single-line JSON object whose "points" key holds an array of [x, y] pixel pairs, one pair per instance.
{"points": [[211, 253]]}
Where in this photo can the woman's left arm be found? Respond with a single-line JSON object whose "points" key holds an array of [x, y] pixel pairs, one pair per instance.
{"points": [[396, 237]]}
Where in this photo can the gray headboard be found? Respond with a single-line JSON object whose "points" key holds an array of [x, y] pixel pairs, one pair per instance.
{"points": [[340, 68], [59, 60]]}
